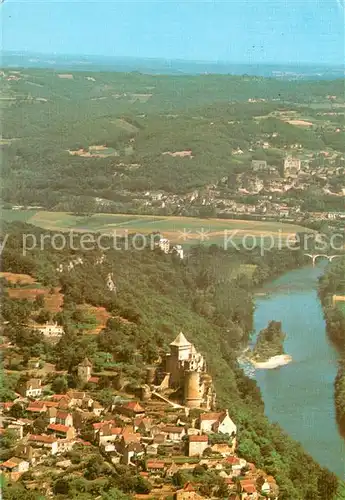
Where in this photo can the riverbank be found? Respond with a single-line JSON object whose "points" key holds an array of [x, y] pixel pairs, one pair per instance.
{"points": [[300, 398], [330, 285]]}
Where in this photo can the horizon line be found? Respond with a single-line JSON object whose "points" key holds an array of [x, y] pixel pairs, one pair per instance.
{"points": [[170, 60]]}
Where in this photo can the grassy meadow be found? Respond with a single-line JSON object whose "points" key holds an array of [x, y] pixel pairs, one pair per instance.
{"points": [[186, 230]]}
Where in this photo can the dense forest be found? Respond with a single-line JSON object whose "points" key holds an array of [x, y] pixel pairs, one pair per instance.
{"points": [[333, 283], [208, 295], [140, 117]]}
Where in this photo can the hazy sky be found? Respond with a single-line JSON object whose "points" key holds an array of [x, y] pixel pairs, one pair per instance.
{"points": [[234, 30]]}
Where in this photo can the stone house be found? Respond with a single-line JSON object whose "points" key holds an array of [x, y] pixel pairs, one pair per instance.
{"points": [[109, 433], [62, 431], [32, 388], [131, 409], [247, 489], [51, 414], [197, 445], [15, 464], [143, 425], [132, 451], [44, 441], [50, 330], [156, 467], [187, 493], [217, 422], [64, 418], [174, 433], [37, 407]]}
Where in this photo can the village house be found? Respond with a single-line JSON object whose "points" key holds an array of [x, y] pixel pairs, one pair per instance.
{"points": [[34, 363], [197, 445], [62, 431], [247, 489], [64, 418], [131, 409], [50, 330], [132, 452], [187, 493], [44, 441], [37, 407], [156, 467], [217, 422], [31, 388], [51, 415], [143, 425], [15, 464], [99, 425], [174, 433], [108, 434]]}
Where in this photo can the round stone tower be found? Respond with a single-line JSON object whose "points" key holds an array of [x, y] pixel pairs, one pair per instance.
{"points": [[192, 396]]}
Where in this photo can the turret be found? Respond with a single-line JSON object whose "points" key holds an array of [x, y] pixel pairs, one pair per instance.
{"points": [[192, 396]]}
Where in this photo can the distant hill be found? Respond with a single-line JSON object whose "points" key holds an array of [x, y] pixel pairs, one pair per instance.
{"points": [[56, 121], [169, 67]]}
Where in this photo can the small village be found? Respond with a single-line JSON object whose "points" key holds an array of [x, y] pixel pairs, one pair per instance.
{"points": [[170, 432]]}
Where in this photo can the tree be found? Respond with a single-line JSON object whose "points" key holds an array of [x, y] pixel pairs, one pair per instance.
{"points": [[17, 411], [8, 439], [115, 494], [59, 385], [61, 486], [39, 301], [43, 317]]}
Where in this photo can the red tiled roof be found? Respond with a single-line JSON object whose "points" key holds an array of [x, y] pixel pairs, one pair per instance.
{"points": [[36, 406], [131, 438], [134, 406], [84, 443], [233, 460], [211, 416], [58, 427], [62, 414], [188, 487], [198, 439], [11, 463], [155, 464], [99, 425], [8, 405], [41, 438], [248, 485], [94, 380]]}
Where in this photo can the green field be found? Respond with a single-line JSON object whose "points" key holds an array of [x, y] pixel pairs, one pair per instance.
{"points": [[177, 229]]}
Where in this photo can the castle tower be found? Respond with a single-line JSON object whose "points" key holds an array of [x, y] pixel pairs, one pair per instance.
{"points": [[180, 348], [85, 370], [192, 396]]}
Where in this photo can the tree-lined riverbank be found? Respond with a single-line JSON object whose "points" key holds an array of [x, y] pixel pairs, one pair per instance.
{"points": [[300, 396]]}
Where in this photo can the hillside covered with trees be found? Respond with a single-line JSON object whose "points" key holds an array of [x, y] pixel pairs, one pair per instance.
{"points": [[208, 295], [54, 126], [333, 283]]}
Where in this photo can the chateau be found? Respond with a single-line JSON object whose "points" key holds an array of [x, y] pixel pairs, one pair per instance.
{"points": [[185, 369]]}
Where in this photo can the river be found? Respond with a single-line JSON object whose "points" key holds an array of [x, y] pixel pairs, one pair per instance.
{"points": [[299, 396]]}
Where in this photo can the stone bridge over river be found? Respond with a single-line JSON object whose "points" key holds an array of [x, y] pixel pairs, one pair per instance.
{"points": [[315, 256]]}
